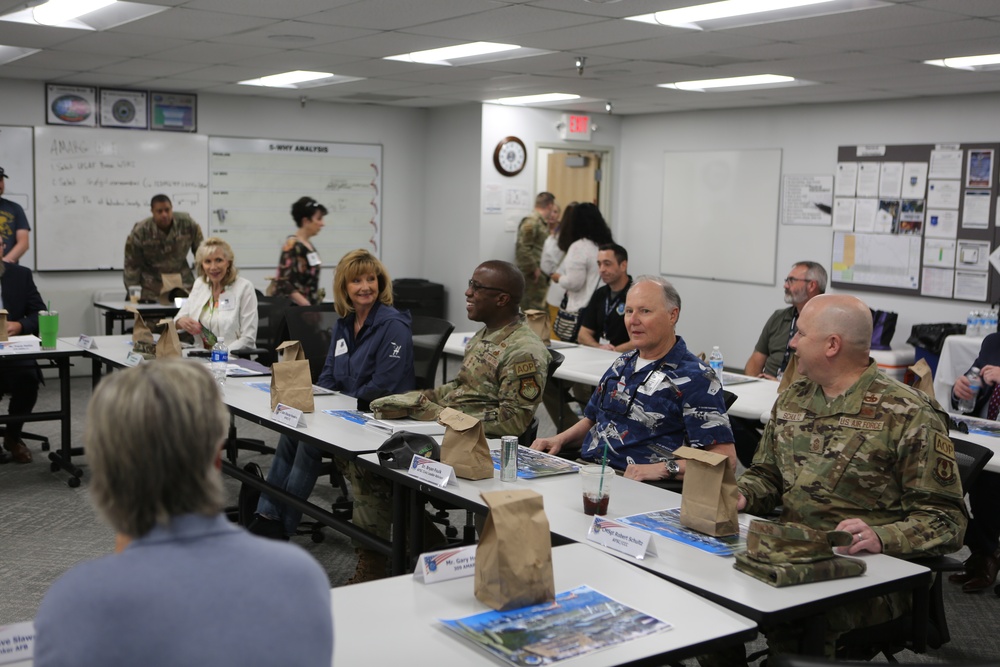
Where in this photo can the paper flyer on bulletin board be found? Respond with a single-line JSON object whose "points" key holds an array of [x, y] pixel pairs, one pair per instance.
{"points": [[877, 259]]}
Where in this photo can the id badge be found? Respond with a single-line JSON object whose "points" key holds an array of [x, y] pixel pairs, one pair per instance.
{"points": [[313, 259], [226, 302], [341, 347], [652, 384], [604, 341]]}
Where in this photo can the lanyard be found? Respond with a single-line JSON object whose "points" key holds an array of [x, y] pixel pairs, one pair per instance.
{"points": [[788, 350]]}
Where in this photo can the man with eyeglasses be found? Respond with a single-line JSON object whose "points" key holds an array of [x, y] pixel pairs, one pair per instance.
{"points": [[653, 399], [500, 383], [771, 353]]}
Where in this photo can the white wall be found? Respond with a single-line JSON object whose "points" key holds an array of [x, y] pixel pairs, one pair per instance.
{"points": [[731, 314], [400, 131]]}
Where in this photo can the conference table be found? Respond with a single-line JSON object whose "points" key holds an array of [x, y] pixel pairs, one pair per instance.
{"points": [[331, 434], [409, 611], [60, 356], [708, 575], [117, 311]]}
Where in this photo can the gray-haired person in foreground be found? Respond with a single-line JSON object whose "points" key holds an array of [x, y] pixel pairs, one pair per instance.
{"points": [[184, 586]]}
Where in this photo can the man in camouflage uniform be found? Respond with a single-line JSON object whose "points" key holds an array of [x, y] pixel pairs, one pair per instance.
{"points": [[848, 448], [531, 235], [160, 244], [500, 383]]}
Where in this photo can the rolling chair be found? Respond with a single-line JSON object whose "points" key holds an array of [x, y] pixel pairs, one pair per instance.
{"points": [[429, 337]]}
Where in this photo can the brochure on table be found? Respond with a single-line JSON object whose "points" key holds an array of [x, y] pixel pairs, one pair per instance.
{"points": [[668, 524], [389, 426], [578, 622], [532, 463]]}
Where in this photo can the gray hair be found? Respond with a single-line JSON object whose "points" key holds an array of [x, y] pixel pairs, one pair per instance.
{"points": [[670, 294], [816, 272], [153, 435]]}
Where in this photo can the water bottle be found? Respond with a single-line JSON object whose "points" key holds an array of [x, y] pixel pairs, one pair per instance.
{"points": [[965, 406], [220, 360], [991, 323], [715, 361], [981, 323], [972, 324]]}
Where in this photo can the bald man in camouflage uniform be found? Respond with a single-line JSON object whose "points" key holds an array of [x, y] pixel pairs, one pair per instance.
{"points": [[500, 383], [531, 235], [160, 244], [848, 448]]}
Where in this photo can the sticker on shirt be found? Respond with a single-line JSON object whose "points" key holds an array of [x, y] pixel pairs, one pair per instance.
{"points": [[341, 347], [863, 424], [620, 309], [227, 302], [313, 259]]}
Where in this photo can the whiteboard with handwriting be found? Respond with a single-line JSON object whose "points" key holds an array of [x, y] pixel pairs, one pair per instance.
{"points": [[93, 185], [254, 183]]}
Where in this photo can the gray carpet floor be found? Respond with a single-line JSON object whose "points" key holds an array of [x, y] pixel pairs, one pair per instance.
{"points": [[47, 527]]}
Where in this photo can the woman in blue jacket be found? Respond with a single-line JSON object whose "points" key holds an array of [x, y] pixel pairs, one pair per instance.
{"points": [[371, 355]]}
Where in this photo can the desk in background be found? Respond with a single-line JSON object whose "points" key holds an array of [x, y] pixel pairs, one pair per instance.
{"points": [[114, 311], [60, 356], [407, 611]]}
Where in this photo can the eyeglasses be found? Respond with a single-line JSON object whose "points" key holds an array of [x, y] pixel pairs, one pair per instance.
{"points": [[789, 279], [476, 287]]}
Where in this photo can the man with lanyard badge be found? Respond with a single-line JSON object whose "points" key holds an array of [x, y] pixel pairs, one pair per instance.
{"points": [[602, 323]]}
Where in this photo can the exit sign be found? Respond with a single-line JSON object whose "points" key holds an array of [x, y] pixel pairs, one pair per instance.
{"points": [[575, 127]]}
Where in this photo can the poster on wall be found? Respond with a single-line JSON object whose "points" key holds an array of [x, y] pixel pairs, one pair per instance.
{"points": [[71, 105], [807, 199], [124, 109], [980, 170], [177, 112]]}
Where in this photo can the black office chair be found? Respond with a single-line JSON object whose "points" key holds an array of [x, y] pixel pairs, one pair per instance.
{"points": [[429, 337], [312, 326], [805, 661], [893, 636]]}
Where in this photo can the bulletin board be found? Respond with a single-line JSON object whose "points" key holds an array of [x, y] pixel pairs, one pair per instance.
{"points": [[719, 208], [917, 220]]}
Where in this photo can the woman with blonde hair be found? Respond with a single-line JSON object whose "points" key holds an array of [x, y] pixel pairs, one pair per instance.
{"points": [[222, 304], [371, 355]]}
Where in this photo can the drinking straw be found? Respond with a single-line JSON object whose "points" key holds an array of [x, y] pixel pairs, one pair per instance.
{"points": [[604, 464]]}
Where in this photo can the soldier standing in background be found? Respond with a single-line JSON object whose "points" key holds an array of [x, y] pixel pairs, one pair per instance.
{"points": [[531, 235], [158, 245]]}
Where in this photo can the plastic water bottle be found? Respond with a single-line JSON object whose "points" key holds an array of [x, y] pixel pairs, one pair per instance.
{"points": [[715, 361], [981, 322], [220, 360], [965, 406], [972, 324], [991, 322]]}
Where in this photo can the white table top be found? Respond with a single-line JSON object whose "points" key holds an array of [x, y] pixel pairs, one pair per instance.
{"points": [[122, 305], [710, 575], [256, 404], [588, 365], [409, 612]]}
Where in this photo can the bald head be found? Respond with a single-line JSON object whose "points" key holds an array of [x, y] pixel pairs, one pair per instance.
{"points": [[846, 316]]}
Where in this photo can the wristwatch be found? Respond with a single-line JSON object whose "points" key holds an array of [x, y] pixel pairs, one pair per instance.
{"points": [[673, 469]]}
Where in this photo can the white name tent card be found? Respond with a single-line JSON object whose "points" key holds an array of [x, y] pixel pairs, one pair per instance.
{"points": [[430, 471], [22, 344], [86, 342], [435, 566], [619, 537], [17, 642], [133, 358], [287, 415]]}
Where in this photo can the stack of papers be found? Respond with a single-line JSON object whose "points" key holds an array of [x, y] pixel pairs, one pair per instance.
{"points": [[389, 426]]}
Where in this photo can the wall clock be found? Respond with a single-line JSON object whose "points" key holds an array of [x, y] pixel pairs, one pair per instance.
{"points": [[510, 156]]}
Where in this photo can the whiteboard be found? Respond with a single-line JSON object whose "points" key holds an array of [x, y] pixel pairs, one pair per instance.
{"points": [[720, 215], [93, 185], [16, 158], [254, 183]]}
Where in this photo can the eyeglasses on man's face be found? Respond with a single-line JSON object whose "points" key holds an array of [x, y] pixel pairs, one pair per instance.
{"points": [[478, 287], [790, 279]]}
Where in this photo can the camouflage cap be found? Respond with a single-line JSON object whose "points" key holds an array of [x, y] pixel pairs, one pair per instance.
{"points": [[791, 574], [775, 543], [411, 404]]}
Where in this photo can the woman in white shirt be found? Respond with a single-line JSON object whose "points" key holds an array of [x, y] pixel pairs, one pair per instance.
{"points": [[221, 305], [551, 262], [579, 275]]}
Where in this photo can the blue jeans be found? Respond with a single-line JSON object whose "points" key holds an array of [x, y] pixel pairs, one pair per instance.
{"points": [[295, 468]]}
